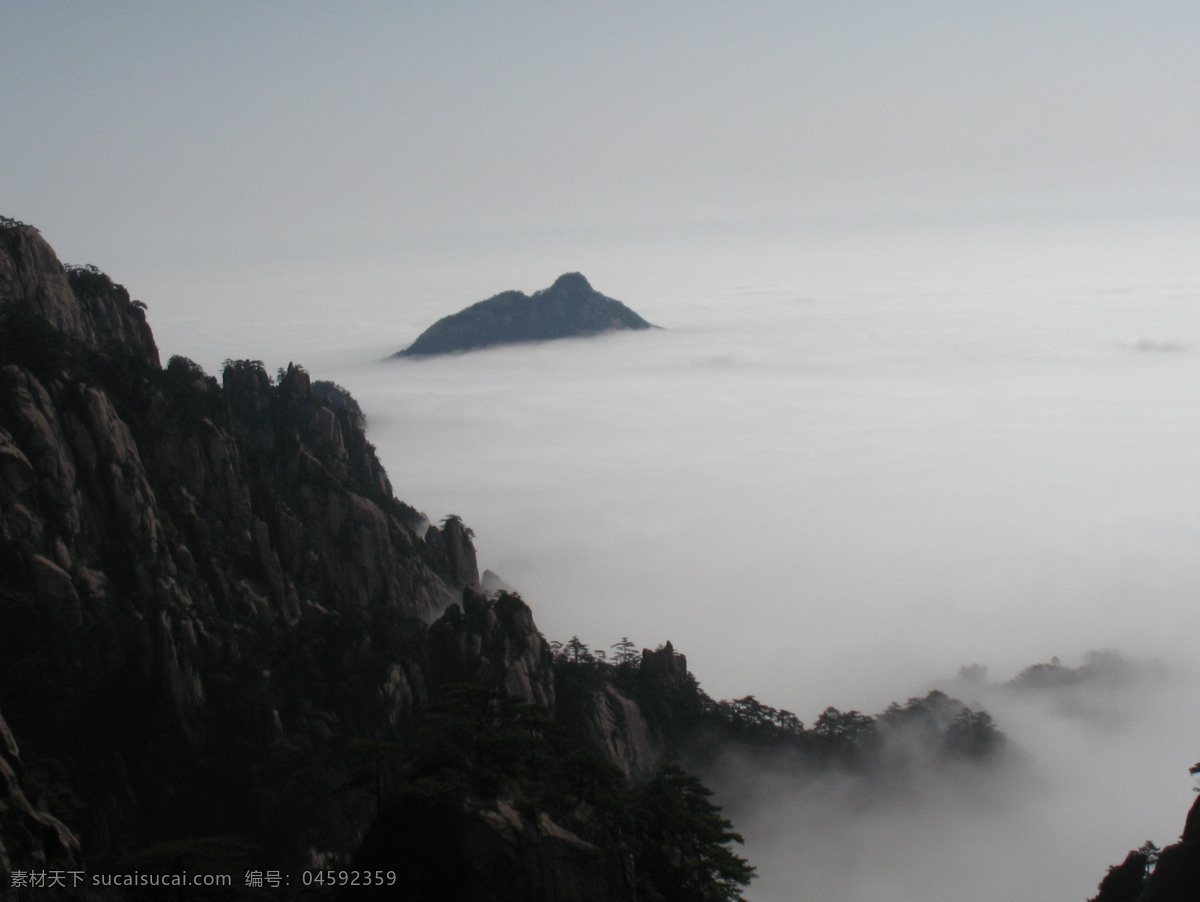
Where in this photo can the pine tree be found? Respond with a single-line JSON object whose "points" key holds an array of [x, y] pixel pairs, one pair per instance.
{"points": [[625, 652]]}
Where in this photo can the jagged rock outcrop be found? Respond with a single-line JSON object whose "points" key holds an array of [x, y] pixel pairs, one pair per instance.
{"points": [[570, 307], [631, 715], [453, 542], [615, 727], [494, 644], [665, 663], [81, 303]]}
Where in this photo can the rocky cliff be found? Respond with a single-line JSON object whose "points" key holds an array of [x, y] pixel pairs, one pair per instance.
{"points": [[179, 554], [570, 307], [219, 629], [223, 639], [80, 303]]}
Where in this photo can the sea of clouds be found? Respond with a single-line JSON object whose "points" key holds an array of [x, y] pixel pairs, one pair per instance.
{"points": [[853, 459]]}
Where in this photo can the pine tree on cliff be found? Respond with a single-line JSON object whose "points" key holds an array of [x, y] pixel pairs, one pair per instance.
{"points": [[684, 843], [625, 651]]}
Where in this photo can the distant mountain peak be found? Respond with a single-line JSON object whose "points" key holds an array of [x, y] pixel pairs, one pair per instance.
{"points": [[571, 281], [568, 308]]}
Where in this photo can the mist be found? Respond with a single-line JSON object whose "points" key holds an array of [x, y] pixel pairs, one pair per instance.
{"points": [[852, 461], [1088, 767]]}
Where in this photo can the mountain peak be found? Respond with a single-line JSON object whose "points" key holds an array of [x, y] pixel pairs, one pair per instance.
{"points": [[571, 281], [568, 308]]}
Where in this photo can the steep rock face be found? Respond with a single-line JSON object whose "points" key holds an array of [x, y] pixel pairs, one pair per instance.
{"points": [[453, 542], [569, 307], [494, 644], [175, 552], [628, 714], [82, 304], [616, 728]]}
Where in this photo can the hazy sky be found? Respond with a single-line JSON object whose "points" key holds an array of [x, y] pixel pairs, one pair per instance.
{"points": [[171, 130]]}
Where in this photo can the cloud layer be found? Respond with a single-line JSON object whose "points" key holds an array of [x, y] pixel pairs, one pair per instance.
{"points": [[852, 462]]}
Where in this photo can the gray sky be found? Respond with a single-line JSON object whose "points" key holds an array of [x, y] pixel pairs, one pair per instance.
{"points": [[172, 130]]}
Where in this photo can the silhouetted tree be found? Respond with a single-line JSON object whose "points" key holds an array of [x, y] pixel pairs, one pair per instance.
{"points": [[577, 652], [849, 729], [625, 652], [683, 844]]}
